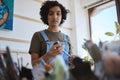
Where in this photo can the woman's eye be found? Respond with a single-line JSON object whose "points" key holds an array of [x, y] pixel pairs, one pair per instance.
{"points": [[50, 14], [58, 14]]}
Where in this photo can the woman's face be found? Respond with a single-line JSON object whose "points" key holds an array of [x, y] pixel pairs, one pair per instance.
{"points": [[54, 16]]}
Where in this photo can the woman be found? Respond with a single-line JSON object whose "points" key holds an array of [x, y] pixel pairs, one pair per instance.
{"points": [[48, 43]]}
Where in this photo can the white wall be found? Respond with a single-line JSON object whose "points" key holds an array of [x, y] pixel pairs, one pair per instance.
{"points": [[81, 29]]}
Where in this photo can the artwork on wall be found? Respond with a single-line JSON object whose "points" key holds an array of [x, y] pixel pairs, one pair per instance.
{"points": [[6, 14]]}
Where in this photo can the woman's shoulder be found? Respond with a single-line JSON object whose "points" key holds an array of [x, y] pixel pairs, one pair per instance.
{"points": [[37, 34]]}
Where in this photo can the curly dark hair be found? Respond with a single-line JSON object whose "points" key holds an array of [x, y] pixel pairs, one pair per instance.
{"points": [[47, 5]]}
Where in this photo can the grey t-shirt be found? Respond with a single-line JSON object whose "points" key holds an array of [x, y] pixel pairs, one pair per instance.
{"points": [[38, 44]]}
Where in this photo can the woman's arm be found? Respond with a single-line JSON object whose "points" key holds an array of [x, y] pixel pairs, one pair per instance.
{"points": [[35, 59]]}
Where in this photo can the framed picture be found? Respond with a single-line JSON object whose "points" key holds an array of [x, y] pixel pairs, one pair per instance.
{"points": [[6, 14]]}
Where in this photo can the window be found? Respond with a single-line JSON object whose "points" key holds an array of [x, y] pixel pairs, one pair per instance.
{"points": [[102, 19]]}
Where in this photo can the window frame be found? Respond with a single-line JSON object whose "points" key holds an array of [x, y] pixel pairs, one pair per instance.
{"points": [[117, 2]]}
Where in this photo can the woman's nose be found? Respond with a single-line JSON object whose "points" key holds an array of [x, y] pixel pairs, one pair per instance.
{"points": [[55, 16]]}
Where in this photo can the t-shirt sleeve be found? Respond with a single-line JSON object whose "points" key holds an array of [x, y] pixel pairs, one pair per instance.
{"points": [[35, 44]]}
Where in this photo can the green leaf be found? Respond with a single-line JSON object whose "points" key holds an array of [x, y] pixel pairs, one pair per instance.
{"points": [[86, 58], [117, 28], [109, 34]]}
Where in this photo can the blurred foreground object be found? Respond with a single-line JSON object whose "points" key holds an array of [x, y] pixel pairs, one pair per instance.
{"points": [[82, 70], [61, 69], [106, 59], [8, 70], [93, 50], [111, 57], [41, 71]]}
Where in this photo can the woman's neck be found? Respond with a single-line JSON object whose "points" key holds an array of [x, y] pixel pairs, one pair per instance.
{"points": [[53, 29]]}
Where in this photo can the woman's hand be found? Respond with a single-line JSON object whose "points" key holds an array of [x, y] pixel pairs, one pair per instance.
{"points": [[56, 49]]}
